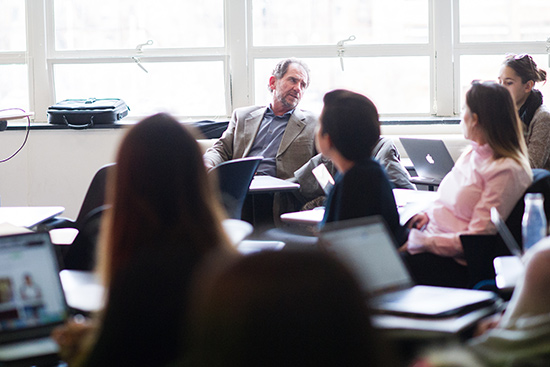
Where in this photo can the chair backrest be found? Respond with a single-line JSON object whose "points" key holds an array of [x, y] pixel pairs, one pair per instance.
{"points": [[234, 178], [541, 184], [480, 250], [81, 253], [95, 196]]}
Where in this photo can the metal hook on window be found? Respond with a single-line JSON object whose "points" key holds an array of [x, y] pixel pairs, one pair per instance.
{"points": [[138, 62], [140, 46], [139, 51], [341, 49]]}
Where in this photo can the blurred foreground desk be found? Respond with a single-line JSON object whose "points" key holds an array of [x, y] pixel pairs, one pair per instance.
{"points": [[404, 328], [84, 292]]}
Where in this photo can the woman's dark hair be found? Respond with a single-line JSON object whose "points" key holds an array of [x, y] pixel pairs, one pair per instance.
{"points": [[281, 309], [498, 119], [351, 121], [159, 194], [525, 68]]}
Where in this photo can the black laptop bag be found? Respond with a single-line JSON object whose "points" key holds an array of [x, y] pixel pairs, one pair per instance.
{"points": [[84, 113]]}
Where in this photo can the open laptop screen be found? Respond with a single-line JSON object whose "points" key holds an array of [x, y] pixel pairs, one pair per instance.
{"points": [[31, 297], [430, 157], [367, 247]]}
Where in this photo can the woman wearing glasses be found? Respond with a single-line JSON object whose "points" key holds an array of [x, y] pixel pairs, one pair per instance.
{"points": [[519, 74]]}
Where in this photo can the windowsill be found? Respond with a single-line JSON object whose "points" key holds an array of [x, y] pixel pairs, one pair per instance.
{"points": [[387, 122]]}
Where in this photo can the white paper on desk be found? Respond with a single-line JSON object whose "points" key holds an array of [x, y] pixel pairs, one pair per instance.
{"points": [[7, 229], [324, 177]]}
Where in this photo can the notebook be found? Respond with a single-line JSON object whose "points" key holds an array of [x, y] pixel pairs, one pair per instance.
{"points": [[430, 158], [369, 250], [32, 301]]}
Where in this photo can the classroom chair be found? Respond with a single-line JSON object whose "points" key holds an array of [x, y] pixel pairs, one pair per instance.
{"points": [[234, 178]]}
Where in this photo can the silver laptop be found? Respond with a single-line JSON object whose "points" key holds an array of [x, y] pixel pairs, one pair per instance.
{"points": [[32, 301], [368, 248], [430, 158], [504, 232]]}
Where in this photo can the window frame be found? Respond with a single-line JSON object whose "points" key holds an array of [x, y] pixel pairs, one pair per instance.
{"points": [[444, 50]]}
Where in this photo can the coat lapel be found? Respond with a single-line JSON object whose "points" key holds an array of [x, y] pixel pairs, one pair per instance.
{"points": [[295, 126], [251, 126]]}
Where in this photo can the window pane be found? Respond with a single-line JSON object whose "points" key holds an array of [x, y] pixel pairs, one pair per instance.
{"points": [[487, 67], [14, 89], [385, 80], [123, 24], [504, 20], [322, 22], [12, 23], [183, 89]]}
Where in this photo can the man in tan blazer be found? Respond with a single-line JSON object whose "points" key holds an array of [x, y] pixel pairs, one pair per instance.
{"points": [[282, 133]]}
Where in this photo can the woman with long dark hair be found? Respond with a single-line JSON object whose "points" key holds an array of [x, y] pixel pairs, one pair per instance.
{"points": [[519, 74], [163, 220], [493, 172]]}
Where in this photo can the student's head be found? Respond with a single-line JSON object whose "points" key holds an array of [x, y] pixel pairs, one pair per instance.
{"points": [[159, 193], [289, 80], [491, 115], [280, 309], [350, 121], [518, 74]]}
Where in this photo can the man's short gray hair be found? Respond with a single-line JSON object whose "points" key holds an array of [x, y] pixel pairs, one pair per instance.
{"points": [[282, 67]]}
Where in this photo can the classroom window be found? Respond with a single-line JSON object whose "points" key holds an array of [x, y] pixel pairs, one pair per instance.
{"points": [[14, 85], [412, 57], [14, 91], [12, 23], [195, 88], [504, 20], [123, 24], [385, 80], [325, 22]]}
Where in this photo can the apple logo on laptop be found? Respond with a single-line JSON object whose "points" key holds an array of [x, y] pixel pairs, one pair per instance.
{"points": [[430, 159]]}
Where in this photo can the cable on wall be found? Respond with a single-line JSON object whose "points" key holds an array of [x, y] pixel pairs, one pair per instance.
{"points": [[27, 130]]}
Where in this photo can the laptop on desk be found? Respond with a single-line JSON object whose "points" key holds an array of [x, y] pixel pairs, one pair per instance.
{"points": [[369, 250], [32, 301], [430, 158]]}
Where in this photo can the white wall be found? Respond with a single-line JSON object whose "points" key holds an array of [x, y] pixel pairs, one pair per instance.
{"points": [[55, 167]]}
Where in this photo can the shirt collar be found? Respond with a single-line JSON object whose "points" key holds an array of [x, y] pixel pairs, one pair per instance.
{"points": [[483, 150], [269, 112]]}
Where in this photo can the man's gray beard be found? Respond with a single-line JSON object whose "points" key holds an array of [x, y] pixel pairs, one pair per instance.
{"points": [[285, 103]]}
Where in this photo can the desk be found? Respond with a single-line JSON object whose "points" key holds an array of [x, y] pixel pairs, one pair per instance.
{"points": [[401, 327], [508, 270], [430, 183], [258, 206], [409, 202], [263, 184], [237, 230], [82, 290], [28, 216]]}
